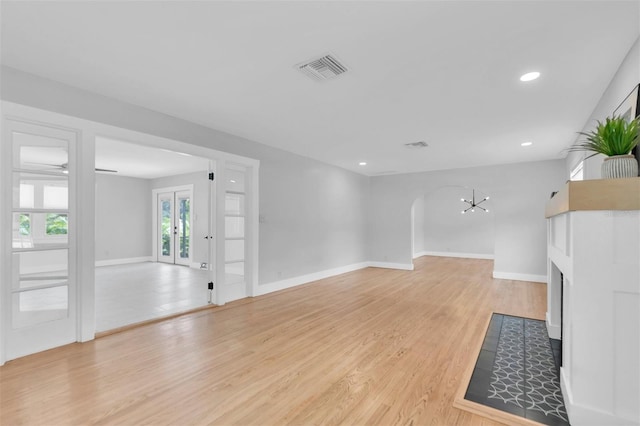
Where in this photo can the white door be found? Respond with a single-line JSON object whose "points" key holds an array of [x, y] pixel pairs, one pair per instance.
{"points": [[39, 281], [174, 227]]}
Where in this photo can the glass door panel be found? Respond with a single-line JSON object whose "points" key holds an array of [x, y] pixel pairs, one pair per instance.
{"points": [[234, 204], [182, 223], [165, 229], [233, 250], [44, 304], [234, 227], [234, 272]]}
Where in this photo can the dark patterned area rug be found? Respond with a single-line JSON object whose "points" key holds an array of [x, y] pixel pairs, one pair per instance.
{"points": [[517, 371]]}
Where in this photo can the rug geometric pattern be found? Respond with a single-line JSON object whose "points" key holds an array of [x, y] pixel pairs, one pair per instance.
{"points": [[517, 372]]}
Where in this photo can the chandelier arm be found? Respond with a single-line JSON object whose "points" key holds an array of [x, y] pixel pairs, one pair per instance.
{"points": [[481, 201], [468, 209], [481, 208]]}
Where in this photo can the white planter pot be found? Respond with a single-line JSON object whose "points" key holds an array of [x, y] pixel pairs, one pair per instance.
{"points": [[619, 166]]}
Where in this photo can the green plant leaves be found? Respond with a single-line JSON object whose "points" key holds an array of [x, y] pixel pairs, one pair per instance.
{"points": [[615, 136]]}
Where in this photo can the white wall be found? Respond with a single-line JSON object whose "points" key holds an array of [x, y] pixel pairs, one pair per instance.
{"points": [[625, 79], [314, 214], [446, 230], [417, 214], [123, 214], [199, 208], [518, 193]]}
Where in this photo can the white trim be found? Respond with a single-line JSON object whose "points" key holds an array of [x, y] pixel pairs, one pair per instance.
{"points": [[45, 268], [304, 279], [419, 254], [390, 265], [520, 277], [553, 330], [123, 261], [585, 415], [567, 395], [454, 254]]}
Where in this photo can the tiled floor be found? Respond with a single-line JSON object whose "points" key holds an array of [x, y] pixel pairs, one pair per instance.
{"points": [[517, 372], [126, 294]]}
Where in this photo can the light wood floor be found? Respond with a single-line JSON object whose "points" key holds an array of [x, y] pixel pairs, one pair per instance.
{"points": [[373, 346]]}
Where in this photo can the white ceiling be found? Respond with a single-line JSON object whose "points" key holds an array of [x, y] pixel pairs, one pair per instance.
{"points": [[445, 72], [144, 162]]}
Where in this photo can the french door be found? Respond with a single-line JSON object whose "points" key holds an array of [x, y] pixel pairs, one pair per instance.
{"points": [[39, 270], [174, 227]]}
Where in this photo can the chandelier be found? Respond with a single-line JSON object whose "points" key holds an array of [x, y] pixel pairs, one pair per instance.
{"points": [[472, 203]]}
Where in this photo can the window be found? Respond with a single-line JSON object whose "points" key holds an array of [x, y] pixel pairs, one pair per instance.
{"points": [[578, 172], [25, 224], [57, 224], [49, 224]]}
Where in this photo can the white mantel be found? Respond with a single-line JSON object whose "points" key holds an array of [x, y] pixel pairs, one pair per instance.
{"points": [[594, 241]]}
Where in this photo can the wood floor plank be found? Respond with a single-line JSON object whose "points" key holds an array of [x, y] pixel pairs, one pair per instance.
{"points": [[373, 346]]}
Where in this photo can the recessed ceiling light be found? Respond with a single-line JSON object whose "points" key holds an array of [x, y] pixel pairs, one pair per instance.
{"points": [[530, 76], [363, 163], [526, 144], [232, 181]]}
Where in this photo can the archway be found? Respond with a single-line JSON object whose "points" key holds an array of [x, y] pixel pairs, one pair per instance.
{"points": [[439, 228]]}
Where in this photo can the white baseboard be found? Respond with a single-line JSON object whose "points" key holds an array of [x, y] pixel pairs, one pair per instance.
{"points": [[123, 261], [419, 254], [519, 277], [391, 265], [453, 254], [304, 279], [553, 330], [585, 415]]}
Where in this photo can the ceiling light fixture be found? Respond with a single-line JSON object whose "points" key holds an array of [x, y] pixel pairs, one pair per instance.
{"points": [[232, 181], [530, 76], [472, 203], [363, 163], [526, 144]]}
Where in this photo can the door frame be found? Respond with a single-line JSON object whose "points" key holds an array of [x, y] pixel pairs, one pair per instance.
{"points": [[85, 193], [155, 193]]}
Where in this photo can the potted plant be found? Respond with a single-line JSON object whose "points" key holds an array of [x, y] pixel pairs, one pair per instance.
{"points": [[615, 138]]}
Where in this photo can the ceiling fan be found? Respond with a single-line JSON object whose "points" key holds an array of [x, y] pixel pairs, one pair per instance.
{"points": [[64, 167], [473, 204]]}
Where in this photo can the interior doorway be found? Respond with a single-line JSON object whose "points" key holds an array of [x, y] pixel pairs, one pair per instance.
{"points": [[454, 221], [159, 262]]}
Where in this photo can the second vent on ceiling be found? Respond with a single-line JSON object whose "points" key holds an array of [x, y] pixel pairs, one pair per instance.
{"points": [[416, 145]]}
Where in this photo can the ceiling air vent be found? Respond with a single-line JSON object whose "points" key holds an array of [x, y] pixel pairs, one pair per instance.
{"points": [[324, 68], [416, 145]]}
